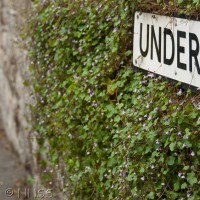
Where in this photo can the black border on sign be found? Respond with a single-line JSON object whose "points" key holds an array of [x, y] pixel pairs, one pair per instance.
{"points": [[184, 86]]}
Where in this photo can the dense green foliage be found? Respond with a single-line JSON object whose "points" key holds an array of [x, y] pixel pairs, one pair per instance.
{"points": [[113, 132]]}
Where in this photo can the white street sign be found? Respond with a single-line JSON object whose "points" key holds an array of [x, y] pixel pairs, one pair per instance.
{"points": [[168, 46]]}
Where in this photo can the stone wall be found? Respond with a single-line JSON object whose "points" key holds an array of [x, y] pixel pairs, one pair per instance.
{"points": [[12, 71], [13, 94]]}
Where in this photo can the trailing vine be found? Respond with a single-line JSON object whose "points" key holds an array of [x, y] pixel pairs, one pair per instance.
{"points": [[114, 133]]}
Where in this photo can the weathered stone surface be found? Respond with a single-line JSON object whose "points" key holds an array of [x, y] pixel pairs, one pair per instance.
{"points": [[12, 70], [12, 173], [13, 94]]}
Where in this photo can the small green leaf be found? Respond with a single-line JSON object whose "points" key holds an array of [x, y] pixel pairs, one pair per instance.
{"points": [[171, 160], [172, 145], [191, 178], [184, 186]]}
